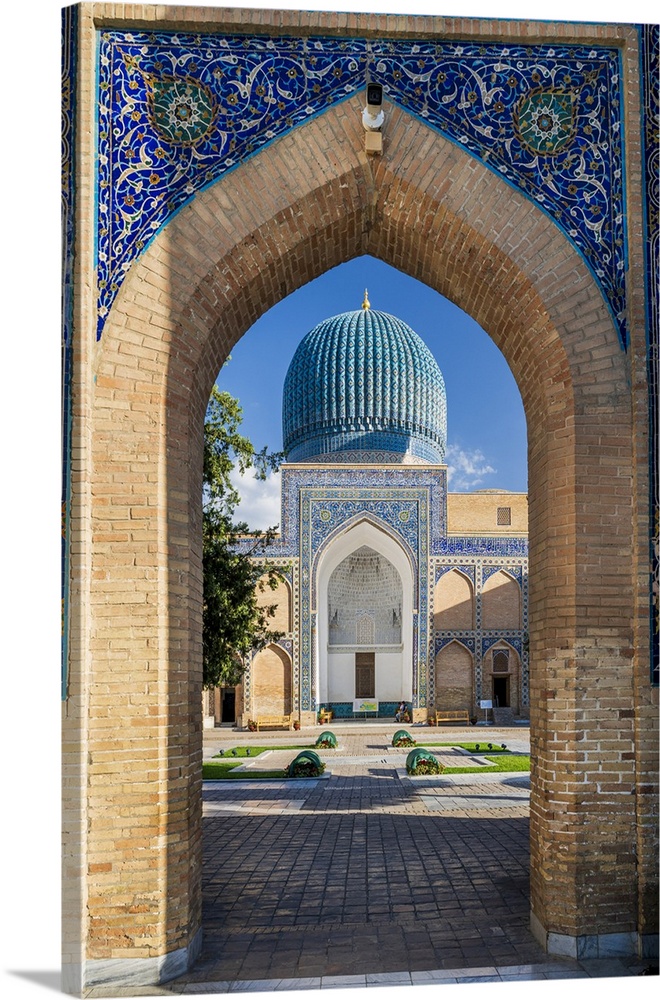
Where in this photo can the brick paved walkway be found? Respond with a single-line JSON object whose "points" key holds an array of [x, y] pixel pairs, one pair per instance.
{"points": [[368, 874]]}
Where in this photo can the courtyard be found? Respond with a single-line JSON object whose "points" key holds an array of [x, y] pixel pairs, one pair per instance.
{"points": [[366, 876]]}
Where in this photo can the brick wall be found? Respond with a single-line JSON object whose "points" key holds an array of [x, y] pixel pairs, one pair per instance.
{"points": [[453, 602], [280, 598], [476, 513], [501, 602], [271, 682], [453, 678]]}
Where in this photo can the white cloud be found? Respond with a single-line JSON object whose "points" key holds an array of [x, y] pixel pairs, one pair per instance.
{"points": [[260, 500], [466, 469], [260, 505]]}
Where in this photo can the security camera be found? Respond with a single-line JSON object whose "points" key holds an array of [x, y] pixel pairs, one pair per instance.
{"points": [[373, 116], [374, 97]]}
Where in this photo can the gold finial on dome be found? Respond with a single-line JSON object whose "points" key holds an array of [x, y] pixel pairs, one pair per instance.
{"points": [[366, 304]]}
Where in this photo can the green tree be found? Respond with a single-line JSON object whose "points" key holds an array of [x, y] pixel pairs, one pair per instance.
{"points": [[233, 622]]}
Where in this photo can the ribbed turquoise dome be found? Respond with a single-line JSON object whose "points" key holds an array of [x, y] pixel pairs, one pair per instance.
{"points": [[363, 383]]}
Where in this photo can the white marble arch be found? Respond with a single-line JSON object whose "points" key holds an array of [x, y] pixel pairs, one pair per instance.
{"points": [[365, 532]]}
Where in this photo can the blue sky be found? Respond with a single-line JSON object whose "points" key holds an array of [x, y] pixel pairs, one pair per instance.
{"points": [[486, 428]]}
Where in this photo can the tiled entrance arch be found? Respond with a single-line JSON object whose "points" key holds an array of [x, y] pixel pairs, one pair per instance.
{"points": [[299, 207]]}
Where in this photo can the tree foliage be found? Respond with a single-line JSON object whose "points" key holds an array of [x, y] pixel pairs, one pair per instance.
{"points": [[233, 622]]}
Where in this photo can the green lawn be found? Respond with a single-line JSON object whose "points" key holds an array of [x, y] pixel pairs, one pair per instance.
{"points": [[472, 747], [220, 770], [233, 753], [505, 762]]}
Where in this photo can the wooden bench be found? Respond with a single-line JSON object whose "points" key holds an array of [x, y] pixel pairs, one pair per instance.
{"points": [[462, 717], [278, 721]]}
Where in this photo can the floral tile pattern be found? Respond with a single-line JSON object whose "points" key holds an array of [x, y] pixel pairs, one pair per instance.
{"points": [[650, 46], [69, 24], [177, 111]]}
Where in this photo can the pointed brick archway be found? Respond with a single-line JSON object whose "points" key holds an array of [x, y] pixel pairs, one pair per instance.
{"points": [[302, 205]]}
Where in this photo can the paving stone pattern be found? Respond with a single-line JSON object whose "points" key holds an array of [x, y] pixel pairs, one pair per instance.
{"points": [[367, 877], [320, 894]]}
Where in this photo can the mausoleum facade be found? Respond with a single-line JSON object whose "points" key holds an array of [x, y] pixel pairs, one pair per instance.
{"points": [[394, 589]]}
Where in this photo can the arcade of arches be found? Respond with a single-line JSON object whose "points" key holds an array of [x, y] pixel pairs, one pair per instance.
{"points": [[146, 341]]}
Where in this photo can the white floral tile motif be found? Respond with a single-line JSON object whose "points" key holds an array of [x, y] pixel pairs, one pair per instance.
{"points": [[177, 111]]}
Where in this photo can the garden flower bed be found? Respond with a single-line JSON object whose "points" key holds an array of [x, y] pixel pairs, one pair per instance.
{"points": [[402, 738]]}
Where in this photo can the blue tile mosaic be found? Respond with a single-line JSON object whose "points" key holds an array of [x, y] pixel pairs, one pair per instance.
{"points": [[69, 28], [468, 571], [514, 571], [364, 380], [177, 111], [344, 710], [481, 546], [398, 514], [443, 639], [650, 66], [548, 118], [513, 639]]}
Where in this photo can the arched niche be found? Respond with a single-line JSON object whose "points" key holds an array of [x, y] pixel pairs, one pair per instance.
{"points": [[501, 602], [365, 597], [454, 678], [453, 601], [501, 676], [270, 682], [365, 534], [278, 598]]}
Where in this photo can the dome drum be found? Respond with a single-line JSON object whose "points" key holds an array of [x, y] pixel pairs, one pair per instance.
{"points": [[337, 441]]}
